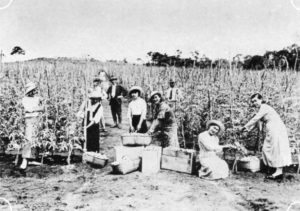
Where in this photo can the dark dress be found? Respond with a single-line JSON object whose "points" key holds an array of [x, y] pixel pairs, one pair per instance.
{"points": [[135, 122], [93, 134]]}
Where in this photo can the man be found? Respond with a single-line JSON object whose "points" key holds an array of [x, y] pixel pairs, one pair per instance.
{"points": [[115, 94], [173, 94]]}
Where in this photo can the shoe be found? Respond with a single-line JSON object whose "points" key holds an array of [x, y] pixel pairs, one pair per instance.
{"points": [[103, 130], [114, 126], [119, 126], [271, 177]]}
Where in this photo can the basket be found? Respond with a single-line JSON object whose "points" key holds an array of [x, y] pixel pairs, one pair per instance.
{"points": [[95, 158], [251, 163], [136, 139], [125, 165]]}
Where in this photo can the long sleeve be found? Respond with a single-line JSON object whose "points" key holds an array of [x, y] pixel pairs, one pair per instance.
{"points": [[261, 113], [144, 109], [154, 125], [209, 143], [129, 112]]}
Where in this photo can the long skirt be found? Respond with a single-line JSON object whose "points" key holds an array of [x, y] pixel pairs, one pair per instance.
{"points": [[213, 167], [170, 137], [93, 136], [135, 122], [31, 130], [276, 149]]}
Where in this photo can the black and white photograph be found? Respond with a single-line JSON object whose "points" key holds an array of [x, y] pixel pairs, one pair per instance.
{"points": [[130, 105]]}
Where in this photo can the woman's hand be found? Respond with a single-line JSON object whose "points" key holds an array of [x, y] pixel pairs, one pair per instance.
{"points": [[131, 129], [138, 127]]}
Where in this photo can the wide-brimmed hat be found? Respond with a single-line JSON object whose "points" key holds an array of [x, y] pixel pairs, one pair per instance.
{"points": [[216, 122], [155, 93], [113, 78], [135, 88], [95, 95], [29, 87]]}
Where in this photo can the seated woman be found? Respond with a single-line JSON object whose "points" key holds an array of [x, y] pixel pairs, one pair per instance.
{"points": [[137, 110], [164, 119], [212, 166]]}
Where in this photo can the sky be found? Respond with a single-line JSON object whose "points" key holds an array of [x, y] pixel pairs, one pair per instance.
{"points": [[118, 29]]}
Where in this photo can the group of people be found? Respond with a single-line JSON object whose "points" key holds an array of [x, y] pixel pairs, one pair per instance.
{"points": [[276, 150]]}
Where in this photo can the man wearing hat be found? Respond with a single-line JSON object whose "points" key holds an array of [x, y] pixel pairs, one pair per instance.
{"points": [[115, 94], [173, 94]]}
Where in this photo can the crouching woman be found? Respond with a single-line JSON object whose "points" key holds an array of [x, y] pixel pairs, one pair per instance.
{"points": [[164, 120], [212, 166]]}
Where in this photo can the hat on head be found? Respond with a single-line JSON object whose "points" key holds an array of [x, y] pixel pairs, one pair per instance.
{"points": [[135, 88], [155, 93], [113, 78], [29, 87], [216, 122], [171, 81]]}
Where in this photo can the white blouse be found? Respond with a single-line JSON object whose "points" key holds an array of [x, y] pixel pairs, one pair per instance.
{"points": [[32, 106], [137, 107]]}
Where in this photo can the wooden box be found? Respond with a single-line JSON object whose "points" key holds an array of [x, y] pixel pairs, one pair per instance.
{"points": [[126, 165], [136, 139], [95, 158], [130, 152], [151, 159], [176, 159]]}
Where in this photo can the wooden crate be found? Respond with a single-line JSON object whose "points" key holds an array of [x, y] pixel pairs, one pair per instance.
{"points": [[130, 152], [176, 159], [151, 159], [136, 139]]}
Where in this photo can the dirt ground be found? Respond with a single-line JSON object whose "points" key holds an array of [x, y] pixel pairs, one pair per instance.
{"points": [[80, 187]]}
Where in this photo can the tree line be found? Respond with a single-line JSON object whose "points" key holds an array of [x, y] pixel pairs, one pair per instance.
{"points": [[287, 58]]}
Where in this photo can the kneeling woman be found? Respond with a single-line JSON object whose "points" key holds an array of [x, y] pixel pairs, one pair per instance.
{"points": [[137, 110], [212, 166], [164, 119]]}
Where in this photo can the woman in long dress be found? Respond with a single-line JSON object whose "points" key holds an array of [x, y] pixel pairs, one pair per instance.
{"points": [[276, 149], [93, 115], [33, 107], [164, 119], [137, 110], [212, 166]]}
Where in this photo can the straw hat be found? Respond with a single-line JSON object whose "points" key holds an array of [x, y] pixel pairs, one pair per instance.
{"points": [[155, 93], [29, 87], [171, 81], [216, 122], [95, 79], [135, 88]]}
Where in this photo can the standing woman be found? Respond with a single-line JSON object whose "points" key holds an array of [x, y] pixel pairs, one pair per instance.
{"points": [[137, 110], [33, 107], [276, 149], [164, 119], [94, 114]]}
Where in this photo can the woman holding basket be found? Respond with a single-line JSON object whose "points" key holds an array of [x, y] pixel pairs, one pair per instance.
{"points": [[276, 149], [137, 110]]}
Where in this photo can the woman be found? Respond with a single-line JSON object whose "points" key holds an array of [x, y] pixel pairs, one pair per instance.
{"points": [[276, 149], [94, 113], [33, 107], [137, 110], [164, 119], [212, 166]]}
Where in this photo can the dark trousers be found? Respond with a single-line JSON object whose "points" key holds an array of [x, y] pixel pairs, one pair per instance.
{"points": [[116, 111]]}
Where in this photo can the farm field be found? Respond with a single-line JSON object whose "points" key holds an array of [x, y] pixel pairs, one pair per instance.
{"points": [[219, 94]]}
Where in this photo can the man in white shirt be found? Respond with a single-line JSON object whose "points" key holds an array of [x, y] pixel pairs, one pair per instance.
{"points": [[173, 94]]}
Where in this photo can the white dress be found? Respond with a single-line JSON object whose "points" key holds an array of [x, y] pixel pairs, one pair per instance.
{"points": [[276, 149], [212, 166]]}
